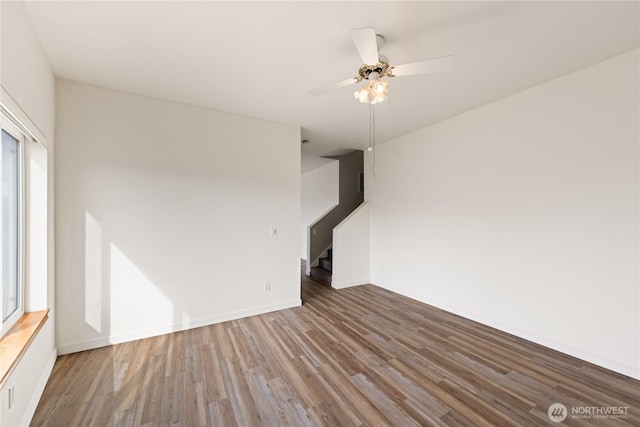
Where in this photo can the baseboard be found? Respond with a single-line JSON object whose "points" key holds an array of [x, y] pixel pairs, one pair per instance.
{"points": [[582, 354], [37, 393], [175, 327], [349, 283]]}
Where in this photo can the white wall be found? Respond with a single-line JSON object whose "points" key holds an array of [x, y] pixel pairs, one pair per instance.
{"points": [[165, 213], [320, 193], [351, 253], [523, 214], [28, 90]]}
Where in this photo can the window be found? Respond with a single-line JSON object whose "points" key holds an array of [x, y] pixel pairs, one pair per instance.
{"points": [[11, 231]]}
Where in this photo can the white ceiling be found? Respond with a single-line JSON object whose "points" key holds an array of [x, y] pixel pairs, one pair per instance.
{"points": [[262, 58]]}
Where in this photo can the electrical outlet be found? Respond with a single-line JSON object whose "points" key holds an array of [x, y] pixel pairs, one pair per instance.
{"points": [[274, 231], [12, 395], [267, 286], [313, 231]]}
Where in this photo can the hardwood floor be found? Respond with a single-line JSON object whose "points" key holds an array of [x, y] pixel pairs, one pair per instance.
{"points": [[357, 356]]}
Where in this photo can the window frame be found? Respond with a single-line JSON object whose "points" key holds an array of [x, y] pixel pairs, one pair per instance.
{"points": [[7, 126]]}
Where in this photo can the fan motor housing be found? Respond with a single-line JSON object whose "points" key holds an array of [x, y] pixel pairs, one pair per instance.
{"points": [[382, 68]]}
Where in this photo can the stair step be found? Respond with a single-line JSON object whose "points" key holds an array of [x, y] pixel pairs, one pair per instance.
{"points": [[321, 275], [326, 263]]}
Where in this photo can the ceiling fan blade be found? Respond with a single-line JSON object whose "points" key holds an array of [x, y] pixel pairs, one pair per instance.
{"points": [[428, 66], [366, 43], [325, 89]]}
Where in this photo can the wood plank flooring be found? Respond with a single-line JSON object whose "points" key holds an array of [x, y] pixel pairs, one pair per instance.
{"points": [[357, 356]]}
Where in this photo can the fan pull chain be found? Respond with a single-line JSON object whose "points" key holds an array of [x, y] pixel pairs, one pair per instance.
{"points": [[372, 138]]}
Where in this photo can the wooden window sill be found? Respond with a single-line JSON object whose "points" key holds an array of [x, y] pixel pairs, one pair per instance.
{"points": [[16, 342]]}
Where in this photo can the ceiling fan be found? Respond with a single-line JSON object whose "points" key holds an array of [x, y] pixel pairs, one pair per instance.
{"points": [[375, 67]]}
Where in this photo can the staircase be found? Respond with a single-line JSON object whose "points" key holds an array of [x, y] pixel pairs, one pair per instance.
{"points": [[322, 273], [320, 232]]}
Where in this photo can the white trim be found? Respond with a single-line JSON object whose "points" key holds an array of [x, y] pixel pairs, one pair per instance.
{"points": [[352, 214], [175, 327], [596, 359], [37, 393], [20, 118], [322, 215], [307, 269], [349, 283]]}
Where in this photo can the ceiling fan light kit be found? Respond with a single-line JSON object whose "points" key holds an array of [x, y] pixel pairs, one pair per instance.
{"points": [[373, 92]]}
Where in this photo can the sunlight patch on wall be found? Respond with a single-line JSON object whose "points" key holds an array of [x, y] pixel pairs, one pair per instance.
{"points": [[131, 291]]}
